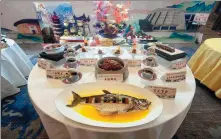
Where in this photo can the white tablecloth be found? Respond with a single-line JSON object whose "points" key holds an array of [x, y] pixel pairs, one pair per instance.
{"points": [[43, 92], [7, 89], [15, 65]]}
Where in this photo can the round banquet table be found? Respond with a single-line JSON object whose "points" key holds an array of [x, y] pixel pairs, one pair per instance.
{"points": [[43, 92], [206, 64]]}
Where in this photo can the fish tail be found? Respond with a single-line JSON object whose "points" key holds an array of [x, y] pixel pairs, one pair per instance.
{"points": [[76, 100]]}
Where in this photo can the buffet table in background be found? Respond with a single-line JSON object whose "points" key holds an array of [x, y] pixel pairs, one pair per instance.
{"points": [[206, 64], [43, 92]]}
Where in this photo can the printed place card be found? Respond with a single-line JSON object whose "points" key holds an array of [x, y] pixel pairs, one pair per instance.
{"points": [[133, 62], [110, 77], [88, 61], [175, 76], [162, 92], [44, 64], [179, 64]]}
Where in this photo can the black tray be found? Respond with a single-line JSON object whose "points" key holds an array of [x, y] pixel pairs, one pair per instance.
{"points": [[147, 41], [170, 57], [53, 57]]}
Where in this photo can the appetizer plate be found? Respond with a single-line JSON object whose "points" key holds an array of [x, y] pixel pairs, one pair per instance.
{"points": [[114, 50], [80, 50], [138, 52], [103, 50], [62, 99]]}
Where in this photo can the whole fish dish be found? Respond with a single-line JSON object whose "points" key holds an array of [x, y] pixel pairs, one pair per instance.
{"points": [[109, 103]]}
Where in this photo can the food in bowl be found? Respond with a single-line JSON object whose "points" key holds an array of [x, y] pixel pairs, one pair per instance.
{"points": [[150, 61], [147, 74], [111, 65]]}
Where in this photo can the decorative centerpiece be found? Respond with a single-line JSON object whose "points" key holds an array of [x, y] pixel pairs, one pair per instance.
{"points": [[57, 26], [144, 38], [111, 65], [108, 27], [75, 29], [129, 34]]}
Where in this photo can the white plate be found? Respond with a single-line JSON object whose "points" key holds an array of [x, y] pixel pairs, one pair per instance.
{"points": [[62, 100]]}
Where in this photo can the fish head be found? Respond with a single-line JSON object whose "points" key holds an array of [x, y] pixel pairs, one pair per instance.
{"points": [[141, 104]]}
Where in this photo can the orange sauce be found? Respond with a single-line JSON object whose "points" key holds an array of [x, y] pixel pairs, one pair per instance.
{"points": [[90, 112]]}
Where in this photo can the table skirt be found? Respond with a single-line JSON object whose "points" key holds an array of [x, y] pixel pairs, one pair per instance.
{"points": [[57, 130], [206, 65]]}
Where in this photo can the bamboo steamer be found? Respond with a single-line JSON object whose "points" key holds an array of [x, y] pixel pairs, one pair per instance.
{"points": [[123, 71]]}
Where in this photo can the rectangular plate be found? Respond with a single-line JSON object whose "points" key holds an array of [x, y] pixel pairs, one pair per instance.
{"points": [[162, 92], [110, 77]]}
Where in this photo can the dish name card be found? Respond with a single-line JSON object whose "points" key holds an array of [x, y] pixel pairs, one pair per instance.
{"points": [[88, 61], [44, 64], [162, 92], [110, 77], [133, 62], [175, 76], [179, 64]]}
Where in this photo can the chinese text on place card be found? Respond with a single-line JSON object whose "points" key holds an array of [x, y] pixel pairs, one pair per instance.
{"points": [[88, 61], [110, 77], [162, 92], [133, 62]]}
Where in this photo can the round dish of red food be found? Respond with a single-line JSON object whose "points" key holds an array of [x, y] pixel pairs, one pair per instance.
{"points": [[111, 64]]}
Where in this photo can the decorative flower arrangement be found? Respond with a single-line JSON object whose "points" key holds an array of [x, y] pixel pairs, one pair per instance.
{"points": [[111, 18]]}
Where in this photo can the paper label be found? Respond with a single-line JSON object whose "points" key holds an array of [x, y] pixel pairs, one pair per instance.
{"points": [[44, 64], [133, 62], [175, 76], [179, 64], [88, 61], [200, 18], [110, 77], [162, 92]]}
